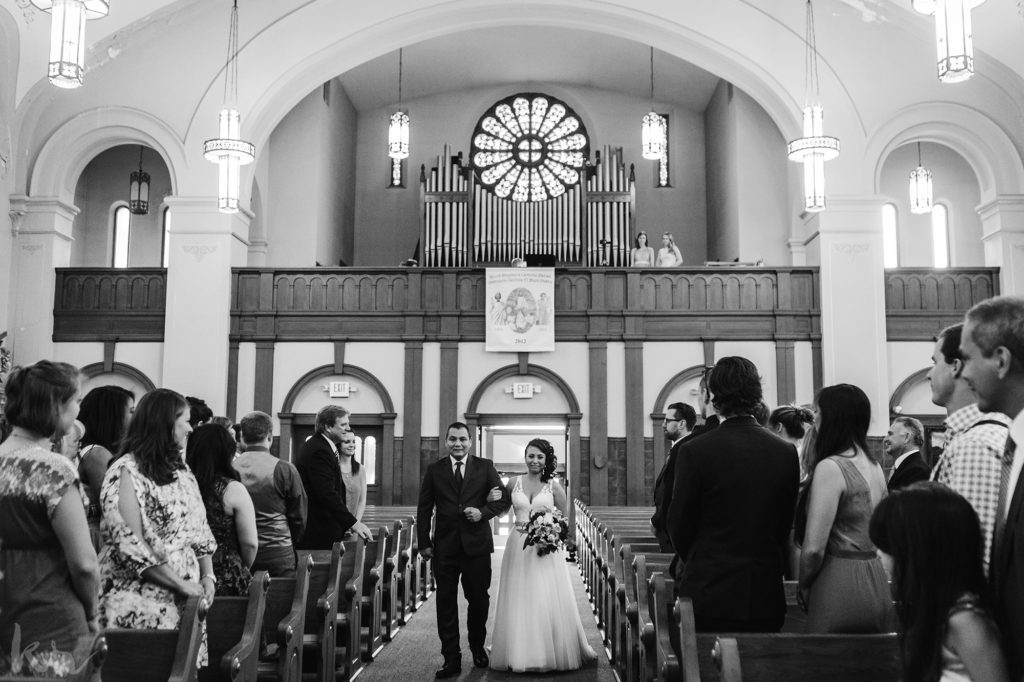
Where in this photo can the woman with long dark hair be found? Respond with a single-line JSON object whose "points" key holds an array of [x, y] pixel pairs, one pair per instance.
{"points": [[105, 413], [353, 475], [50, 576], [842, 583], [537, 625], [930, 540], [791, 423], [158, 546], [229, 509]]}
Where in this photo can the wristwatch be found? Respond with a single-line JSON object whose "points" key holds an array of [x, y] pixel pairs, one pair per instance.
{"points": [[211, 576]]}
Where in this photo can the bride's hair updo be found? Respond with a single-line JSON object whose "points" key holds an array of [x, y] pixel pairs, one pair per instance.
{"points": [[549, 457]]}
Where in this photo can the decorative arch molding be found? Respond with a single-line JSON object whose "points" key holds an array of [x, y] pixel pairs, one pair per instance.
{"points": [[98, 368], [385, 419], [984, 145], [905, 385], [283, 90], [515, 370], [688, 374], [69, 150]]}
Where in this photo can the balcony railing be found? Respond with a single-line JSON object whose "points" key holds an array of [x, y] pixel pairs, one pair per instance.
{"points": [[919, 302], [109, 304]]}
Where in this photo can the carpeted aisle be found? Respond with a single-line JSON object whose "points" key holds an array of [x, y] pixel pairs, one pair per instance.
{"points": [[415, 652]]}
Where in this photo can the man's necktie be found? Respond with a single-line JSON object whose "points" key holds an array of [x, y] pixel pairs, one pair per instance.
{"points": [[458, 474], [1004, 493]]}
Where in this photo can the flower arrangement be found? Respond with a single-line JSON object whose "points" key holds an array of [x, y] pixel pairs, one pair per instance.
{"points": [[547, 531]]}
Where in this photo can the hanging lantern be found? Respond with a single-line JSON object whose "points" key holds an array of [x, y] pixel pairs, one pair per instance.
{"points": [[230, 151], [920, 187], [814, 148], [954, 40], [138, 190], [398, 126], [67, 37], [652, 128]]}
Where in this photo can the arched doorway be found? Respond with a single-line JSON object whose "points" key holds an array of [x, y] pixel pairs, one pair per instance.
{"points": [[372, 419]]}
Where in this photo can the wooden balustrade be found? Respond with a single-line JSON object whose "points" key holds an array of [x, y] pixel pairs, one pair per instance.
{"points": [[921, 301], [109, 304]]}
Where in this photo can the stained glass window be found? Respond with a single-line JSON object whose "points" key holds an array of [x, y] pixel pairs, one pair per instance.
{"points": [[529, 147]]}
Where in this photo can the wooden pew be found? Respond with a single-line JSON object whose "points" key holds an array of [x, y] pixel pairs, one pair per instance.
{"points": [[406, 572], [318, 638], [157, 655], [83, 671], [233, 626], [399, 570], [635, 611], [390, 610], [371, 598], [762, 657], [661, 603], [348, 658], [284, 625]]}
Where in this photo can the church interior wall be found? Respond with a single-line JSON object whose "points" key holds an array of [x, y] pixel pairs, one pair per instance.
{"points": [[104, 183], [616, 390], [722, 175], [388, 219], [662, 361], [905, 358], [803, 366], [147, 358], [955, 185]]}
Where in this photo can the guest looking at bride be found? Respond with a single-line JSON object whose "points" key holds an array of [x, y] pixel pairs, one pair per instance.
{"points": [[158, 544], [50, 576], [353, 475], [642, 256], [669, 255], [537, 624]]}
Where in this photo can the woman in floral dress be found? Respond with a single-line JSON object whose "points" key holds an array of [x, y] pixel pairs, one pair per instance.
{"points": [[229, 509], [157, 543]]}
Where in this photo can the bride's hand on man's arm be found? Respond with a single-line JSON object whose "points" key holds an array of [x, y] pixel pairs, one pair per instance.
{"points": [[495, 494]]}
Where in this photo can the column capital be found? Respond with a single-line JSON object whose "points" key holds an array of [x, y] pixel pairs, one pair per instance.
{"points": [[852, 214], [994, 213], [41, 215]]}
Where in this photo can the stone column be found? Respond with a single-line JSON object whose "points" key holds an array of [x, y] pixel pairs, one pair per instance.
{"points": [[42, 242], [204, 245], [853, 328], [1002, 230]]}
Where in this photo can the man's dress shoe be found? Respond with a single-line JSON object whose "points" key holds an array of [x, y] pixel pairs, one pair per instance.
{"points": [[451, 668], [480, 659]]}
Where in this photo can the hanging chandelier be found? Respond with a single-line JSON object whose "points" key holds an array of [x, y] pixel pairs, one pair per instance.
{"points": [[230, 151], [398, 127], [652, 128], [920, 187], [138, 190], [67, 37], [814, 148], [954, 38]]}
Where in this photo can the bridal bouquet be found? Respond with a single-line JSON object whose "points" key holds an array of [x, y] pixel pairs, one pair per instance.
{"points": [[547, 531]]}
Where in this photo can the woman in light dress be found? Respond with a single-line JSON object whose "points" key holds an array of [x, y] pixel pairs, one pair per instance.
{"points": [[669, 255], [353, 475], [642, 256], [537, 626]]}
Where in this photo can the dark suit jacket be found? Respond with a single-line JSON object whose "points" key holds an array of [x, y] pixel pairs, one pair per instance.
{"points": [[1007, 581], [663, 493], [453, 532], [729, 521], [329, 518], [912, 470]]}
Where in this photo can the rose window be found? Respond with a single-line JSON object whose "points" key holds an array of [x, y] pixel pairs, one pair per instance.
{"points": [[529, 147]]}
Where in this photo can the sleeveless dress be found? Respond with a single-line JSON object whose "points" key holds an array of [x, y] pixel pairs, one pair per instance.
{"points": [[36, 593], [231, 572], [851, 593], [537, 624]]}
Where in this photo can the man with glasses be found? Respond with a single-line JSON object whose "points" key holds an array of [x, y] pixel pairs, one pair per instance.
{"points": [[680, 419]]}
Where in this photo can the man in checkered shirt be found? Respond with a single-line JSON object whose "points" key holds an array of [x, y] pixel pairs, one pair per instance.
{"points": [[974, 439]]}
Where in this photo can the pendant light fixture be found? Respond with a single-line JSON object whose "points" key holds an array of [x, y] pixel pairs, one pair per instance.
{"points": [[954, 40], [230, 151], [814, 148], [920, 187], [652, 129], [138, 190], [398, 127], [67, 37]]}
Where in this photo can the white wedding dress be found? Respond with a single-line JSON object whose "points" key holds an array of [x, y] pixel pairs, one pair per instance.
{"points": [[537, 624]]}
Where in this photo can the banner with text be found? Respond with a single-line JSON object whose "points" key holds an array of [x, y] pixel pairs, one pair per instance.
{"points": [[520, 309]]}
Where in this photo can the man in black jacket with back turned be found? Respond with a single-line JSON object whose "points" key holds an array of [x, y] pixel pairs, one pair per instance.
{"points": [[732, 510]]}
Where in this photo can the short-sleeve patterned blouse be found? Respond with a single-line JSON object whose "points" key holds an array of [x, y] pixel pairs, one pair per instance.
{"points": [[36, 593], [175, 532]]}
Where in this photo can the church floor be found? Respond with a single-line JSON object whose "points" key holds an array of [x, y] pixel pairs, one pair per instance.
{"points": [[415, 652]]}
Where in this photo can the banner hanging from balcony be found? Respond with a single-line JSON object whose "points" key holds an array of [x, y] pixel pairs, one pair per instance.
{"points": [[520, 310]]}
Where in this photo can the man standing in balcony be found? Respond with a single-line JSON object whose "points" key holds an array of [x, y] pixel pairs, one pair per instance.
{"points": [[992, 346], [970, 463]]}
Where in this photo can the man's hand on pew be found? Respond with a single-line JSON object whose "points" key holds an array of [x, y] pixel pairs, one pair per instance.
{"points": [[362, 530], [427, 553]]}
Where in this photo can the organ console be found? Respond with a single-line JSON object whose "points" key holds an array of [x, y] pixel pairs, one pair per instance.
{"points": [[463, 224]]}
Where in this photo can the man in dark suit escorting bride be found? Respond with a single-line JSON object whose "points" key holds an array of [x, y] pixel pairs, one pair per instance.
{"points": [[454, 491]]}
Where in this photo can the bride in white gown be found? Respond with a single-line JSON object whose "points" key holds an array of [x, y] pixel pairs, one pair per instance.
{"points": [[537, 624]]}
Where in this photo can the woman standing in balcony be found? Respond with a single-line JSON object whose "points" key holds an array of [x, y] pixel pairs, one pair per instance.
{"points": [[642, 256], [669, 255]]}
